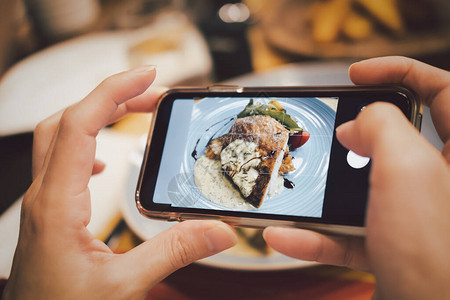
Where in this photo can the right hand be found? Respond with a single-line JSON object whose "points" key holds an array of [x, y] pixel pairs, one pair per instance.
{"points": [[407, 243]]}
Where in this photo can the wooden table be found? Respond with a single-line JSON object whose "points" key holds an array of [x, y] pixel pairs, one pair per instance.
{"points": [[320, 282]]}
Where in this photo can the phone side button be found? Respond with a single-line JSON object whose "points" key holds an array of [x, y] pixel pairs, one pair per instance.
{"points": [[419, 121], [225, 88]]}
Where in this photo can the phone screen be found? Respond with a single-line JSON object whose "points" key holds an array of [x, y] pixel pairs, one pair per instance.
{"points": [[215, 158], [272, 156]]}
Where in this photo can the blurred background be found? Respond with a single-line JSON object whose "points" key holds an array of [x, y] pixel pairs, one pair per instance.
{"points": [[245, 36], [52, 52]]}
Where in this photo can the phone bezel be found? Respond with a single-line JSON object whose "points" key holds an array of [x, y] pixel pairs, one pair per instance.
{"points": [[158, 211]]}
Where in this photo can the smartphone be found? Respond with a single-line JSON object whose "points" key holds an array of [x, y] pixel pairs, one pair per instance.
{"points": [[260, 156]]}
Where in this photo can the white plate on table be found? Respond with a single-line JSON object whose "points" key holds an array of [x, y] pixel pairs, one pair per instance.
{"points": [[58, 76]]}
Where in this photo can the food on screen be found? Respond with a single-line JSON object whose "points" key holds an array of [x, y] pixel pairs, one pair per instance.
{"points": [[245, 166]]}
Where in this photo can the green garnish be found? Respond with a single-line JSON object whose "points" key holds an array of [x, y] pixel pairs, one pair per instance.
{"points": [[255, 109]]}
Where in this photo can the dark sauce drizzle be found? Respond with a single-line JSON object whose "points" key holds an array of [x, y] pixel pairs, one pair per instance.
{"points": [[257, 157], [194, 152], [288, 184]]}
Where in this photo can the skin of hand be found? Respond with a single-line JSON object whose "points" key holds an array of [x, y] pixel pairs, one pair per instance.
{"points": [[407, 242], [56, 256]]}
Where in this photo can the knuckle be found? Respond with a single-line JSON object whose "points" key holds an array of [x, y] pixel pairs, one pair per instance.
{"points": [[27, 198], [111, 80], [43, 127], [68, 119], [180, 253], [347, 258], [319, 252], [30, 217]]}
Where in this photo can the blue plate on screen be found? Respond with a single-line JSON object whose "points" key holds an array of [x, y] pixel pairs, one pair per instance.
{"points": [[213, 117]]}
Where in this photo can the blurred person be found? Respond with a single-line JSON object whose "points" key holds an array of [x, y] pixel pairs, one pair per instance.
{"points": [[406, 245]]}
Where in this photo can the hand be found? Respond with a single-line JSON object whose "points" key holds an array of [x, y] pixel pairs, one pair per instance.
{"points": [[407, 241], [56, 256]]}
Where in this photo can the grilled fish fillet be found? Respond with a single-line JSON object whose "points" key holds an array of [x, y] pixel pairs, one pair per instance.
{"points": [[271, 140]]}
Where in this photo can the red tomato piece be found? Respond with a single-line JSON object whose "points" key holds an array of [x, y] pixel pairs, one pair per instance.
{"points": [[298, 139]]}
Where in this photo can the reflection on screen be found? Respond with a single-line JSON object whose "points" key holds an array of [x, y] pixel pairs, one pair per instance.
{"points": [[265, 155]]}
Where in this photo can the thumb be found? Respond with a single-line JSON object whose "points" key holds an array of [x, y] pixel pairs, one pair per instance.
{"points": [[182, 244], [401, 158], [380, 130]]}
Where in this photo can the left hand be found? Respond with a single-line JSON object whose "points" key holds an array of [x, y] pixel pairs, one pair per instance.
{"points": [[56, 256]]}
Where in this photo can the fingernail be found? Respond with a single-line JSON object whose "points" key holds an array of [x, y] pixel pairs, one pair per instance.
{"points": [[100, 163], [278, 230], [356, 63], [146, 68], [361, 61], [264, 233], [342, 127], [220, 237]]}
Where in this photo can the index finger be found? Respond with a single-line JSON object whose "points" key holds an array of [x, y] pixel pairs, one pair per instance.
{"points": [[70, 166], [45, 130], [431, 84], [313, 246]]}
